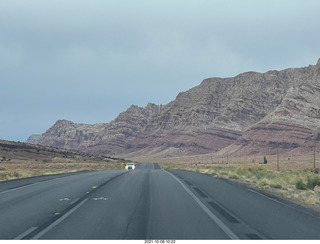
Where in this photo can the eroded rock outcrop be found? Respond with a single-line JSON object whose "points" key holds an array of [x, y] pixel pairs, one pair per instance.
{"points": [[253, 111]]}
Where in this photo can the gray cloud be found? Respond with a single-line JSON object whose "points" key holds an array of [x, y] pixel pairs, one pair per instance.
{"points": [[87, 61]]}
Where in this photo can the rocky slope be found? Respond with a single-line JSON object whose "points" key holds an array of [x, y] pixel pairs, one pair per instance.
{"points": [[294, 125], [250, 113]]}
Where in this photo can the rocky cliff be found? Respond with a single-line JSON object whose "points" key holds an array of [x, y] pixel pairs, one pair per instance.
{"points": [[250, 113], [294, 124]]}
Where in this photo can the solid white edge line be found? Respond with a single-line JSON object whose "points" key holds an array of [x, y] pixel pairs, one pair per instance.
{"points": [[19, 237], [58, 221], [224, 228]]}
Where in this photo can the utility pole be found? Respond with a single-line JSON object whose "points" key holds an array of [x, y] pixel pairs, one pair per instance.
{"points": [[314, 155], [278, 168]]}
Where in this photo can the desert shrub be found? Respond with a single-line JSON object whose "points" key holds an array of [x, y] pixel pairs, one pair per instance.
{"points": [[305, 180], [16, 174], [313, 182], [261, 173], [35, 173], [276, 185], [258, 173], [3, 176], [242, 172], [301, 185], [263, 183], [233, 176], [291, 176]]}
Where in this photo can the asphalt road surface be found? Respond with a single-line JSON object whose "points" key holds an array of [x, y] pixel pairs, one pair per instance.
{"points": [[147, 203]]}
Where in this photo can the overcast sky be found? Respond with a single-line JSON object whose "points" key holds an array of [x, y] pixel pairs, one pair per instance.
{"points": [[88, 60]]}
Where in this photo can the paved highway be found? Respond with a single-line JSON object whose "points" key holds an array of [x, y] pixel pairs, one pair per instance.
{"points": [[147, 203]]}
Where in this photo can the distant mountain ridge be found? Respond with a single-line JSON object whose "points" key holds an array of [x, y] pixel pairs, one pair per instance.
{"points": [[248, 114]]}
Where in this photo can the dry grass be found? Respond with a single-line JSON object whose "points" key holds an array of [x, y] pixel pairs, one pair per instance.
{"points": [[9, 171], [21, 160], [295, 181]]}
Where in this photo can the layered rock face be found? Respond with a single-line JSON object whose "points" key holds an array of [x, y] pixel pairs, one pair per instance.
{"points": [[294, 125], [253, 112], [106, 138]]}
